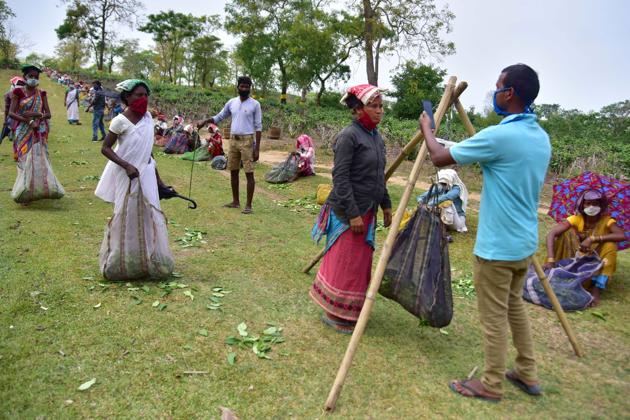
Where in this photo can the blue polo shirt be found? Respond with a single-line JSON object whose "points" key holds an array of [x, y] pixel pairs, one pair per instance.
{"points": [[514, 156]]}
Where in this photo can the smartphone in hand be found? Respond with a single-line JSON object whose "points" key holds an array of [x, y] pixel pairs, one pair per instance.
{"points": [[428, 108]]}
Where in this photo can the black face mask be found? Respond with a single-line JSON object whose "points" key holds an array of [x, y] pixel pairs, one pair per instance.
{"points": [[243, 93]]}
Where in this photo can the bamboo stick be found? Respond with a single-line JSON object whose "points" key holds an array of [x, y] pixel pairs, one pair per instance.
{"points": [[557, 308], [463, 116], [377, 277], [461, 87]]}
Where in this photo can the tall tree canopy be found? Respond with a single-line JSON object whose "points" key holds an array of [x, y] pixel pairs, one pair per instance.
{"points": [[92, 19], [401, 25]]}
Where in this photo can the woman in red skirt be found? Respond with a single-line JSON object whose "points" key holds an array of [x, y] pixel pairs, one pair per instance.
{"points": [[349, 214]]}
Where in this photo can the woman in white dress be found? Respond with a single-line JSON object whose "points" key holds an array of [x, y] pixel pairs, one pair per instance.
{"points": [[133, 130], [72, 105], [131, 160]]}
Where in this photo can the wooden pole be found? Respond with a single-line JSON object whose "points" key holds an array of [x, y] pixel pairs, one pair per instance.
{"points": [[463, 116], [557, 308], [461, 87], [377, 277]]}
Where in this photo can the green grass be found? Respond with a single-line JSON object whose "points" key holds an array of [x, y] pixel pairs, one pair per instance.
{"points": [[139, 354]]}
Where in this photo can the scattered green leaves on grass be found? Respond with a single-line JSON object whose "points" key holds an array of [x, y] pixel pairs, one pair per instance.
{"points": [[465, 285], [156, 304], [189, 294], [260, 345], [90, 178], [279, 186], [231, 358], [218, 293], [87, 385], [300, 204], [598, 314], [192, 238], [203, 332], [78, 162]]}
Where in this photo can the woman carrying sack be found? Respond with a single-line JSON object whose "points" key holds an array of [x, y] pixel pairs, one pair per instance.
{"points": [[136, 239], [29, 112], [348, 217]]}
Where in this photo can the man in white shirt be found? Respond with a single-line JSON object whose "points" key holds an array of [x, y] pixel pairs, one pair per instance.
{"points": [[246, 120]]}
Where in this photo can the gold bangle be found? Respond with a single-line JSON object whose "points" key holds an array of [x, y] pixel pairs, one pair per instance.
{"points": [[550, 260]]}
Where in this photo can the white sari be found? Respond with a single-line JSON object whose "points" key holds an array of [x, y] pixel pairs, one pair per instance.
{"points": [[135, 144], [72, 105]]}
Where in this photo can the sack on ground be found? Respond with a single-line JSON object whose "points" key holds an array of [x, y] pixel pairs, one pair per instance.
{"points": [[566, 280], [418, 274], [35, 179], [286, 171], [323, 191], [198, 155], [135, 245], [219, 163]]}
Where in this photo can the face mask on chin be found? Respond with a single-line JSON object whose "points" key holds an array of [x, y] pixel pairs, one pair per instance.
{"points": [[592, 210]]}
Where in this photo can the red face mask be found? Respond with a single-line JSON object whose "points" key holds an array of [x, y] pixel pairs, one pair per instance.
{"points": [[366, 121], [140, 105]]}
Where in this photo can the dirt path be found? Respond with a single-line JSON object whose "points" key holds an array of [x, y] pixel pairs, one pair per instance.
{"points": [[273, 157]]}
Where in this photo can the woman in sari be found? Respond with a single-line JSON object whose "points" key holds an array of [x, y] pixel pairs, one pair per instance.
{"points": [[452, 199], [348, 217], [306, 152], [72, 105], [30, 113], [590, 229], [133, 130]]}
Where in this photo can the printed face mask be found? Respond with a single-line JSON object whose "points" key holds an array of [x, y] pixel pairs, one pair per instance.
{"points": [[592, 210], [32, 82], [140, 105]]}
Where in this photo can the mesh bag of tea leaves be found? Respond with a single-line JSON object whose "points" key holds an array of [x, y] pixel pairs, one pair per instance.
{"points": [[35, 179], [286, 171], [418, 274], [135, 245]]}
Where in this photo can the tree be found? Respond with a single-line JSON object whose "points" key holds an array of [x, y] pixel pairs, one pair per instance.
{"points": [[265, 28], [401, 25], [209, 59], [93, 18], [415, 82], [320, 45], [8, 49], [71, 53], [140, 64], [171, 31]]}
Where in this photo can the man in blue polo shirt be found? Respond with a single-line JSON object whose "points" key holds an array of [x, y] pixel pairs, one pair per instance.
{"points": [[246, 120], [514, 156]]}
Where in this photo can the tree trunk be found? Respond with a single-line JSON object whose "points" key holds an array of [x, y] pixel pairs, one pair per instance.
{"points": [[284, 82], [320, 92], [368, 41], [304, 91], [101, 46]]}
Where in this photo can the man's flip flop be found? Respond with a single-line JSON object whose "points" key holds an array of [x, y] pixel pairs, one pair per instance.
{"points": [[473, 392], [247, 210], [533, 390], [231, 206]]}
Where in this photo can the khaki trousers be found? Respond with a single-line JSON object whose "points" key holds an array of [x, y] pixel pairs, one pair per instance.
{"points": [[499, 288]]}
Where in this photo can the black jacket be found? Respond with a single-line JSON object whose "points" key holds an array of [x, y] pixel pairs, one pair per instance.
{"points": [[358, 173]]}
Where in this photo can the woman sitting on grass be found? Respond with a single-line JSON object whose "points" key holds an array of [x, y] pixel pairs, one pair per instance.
{"points": [[348, 217], [305, 151], [590, 229]]}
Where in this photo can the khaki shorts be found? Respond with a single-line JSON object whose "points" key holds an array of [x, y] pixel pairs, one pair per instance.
{"points": [[241, 149]]}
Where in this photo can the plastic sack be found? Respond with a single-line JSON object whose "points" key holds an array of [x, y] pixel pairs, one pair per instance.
{"points": [[198, 155], [286, 171], [135, 245], [566, 280], [219, 163], [418, 274], [323, 191], [35, 179]]}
